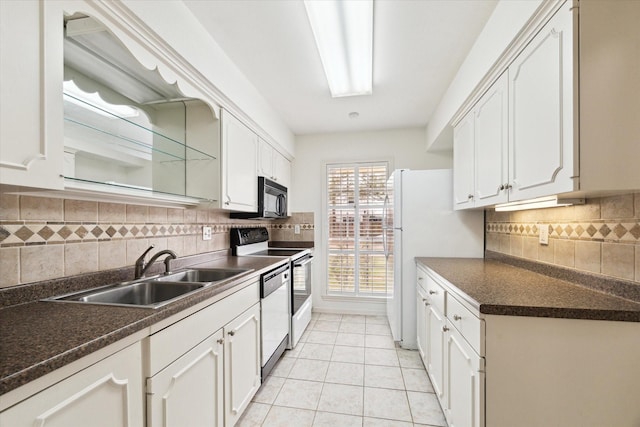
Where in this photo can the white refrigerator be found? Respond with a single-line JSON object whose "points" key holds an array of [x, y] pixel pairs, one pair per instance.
{"points": [[420, 222]]}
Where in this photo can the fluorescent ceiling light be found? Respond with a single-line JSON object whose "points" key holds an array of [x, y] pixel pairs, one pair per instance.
{"points": [[344, 35], [93, 102], [539, 203]]}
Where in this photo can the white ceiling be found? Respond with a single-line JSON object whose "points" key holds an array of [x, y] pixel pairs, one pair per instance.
{"points": [[418, 47]]}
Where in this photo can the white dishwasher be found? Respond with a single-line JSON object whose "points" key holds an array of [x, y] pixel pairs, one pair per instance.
{"points": [[274, 304]]}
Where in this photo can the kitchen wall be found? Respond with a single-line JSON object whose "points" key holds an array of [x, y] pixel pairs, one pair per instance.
{"points": [[602, 236], [403, 147], [46, 238]]}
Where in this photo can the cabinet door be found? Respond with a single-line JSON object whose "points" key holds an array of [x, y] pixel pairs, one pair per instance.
{"points": [[435, 323], [240, 173], [491, 145], [242, 362], [265, 159], [422, 304], [189, 392], [463, 155], [107, 394], [31, 143], [464, 369], [281, 169], [541, 113]]}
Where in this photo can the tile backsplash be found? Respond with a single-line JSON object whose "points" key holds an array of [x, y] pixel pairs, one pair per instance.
{"points": [[46, 238], [602, 236]]}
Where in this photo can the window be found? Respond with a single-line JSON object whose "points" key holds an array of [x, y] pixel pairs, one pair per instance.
{"points": [[356, 261]]}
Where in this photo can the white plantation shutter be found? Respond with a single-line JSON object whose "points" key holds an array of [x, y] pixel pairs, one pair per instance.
{"points": [[356, 255]]}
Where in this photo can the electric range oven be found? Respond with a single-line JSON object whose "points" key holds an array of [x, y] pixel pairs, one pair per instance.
{"points": [[255, 242]]}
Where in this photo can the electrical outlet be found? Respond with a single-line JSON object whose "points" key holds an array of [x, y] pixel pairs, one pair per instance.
{"points": [[543, 237], [296, 229], [206, 233]]}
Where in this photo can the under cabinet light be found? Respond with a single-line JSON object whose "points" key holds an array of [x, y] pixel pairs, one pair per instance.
{"points": [[539, 203], [93, 102], [343, 30]]}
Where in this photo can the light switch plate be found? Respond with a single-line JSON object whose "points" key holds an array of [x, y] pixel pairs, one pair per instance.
{"points": [[206, 233], [543, 237], [296, 229]]}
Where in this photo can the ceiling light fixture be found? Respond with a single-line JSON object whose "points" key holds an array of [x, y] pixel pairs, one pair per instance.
{"points": [[344, 36], [539, 203]]}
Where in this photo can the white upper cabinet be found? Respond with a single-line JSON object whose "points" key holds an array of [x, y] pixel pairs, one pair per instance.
{"points": [[491, 145], [463, 160], [31, 152], [97, 105], [239, 167], [265, 159], [563, 117], [272, 164], [541, 140], [480, 151]]}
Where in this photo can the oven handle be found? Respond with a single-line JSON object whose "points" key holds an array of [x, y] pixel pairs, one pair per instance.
{"points": [[305, 262]]}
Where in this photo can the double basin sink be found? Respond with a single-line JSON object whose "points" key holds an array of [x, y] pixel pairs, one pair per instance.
{"points": [[153, 292]]}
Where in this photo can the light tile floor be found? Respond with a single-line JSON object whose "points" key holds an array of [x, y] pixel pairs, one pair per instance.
{"points": [[346, 371]]}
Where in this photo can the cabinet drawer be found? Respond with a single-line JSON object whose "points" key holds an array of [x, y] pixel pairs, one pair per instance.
{"points": [[436, 294], [467, 323]]}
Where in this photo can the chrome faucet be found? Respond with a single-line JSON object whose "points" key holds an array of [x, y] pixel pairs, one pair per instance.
{"points": [[142, 267]]}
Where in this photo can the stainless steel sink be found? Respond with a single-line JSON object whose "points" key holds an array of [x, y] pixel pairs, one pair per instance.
{"points": [[152, 292], [203, 275], [149, 293]]}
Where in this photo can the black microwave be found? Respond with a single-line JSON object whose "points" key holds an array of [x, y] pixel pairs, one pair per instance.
{"points": [[272, 201]]}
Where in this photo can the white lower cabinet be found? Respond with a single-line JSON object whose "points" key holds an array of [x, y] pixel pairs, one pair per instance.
{"points": [[211, 384], [451, 337], [202, 369], [464, 381], [106, 394], [505, 371], [436, 346], [242, 363], [189, 392], [205, 368], [422, 305]]}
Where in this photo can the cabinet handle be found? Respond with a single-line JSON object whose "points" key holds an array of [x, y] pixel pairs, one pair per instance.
{"points": [[501, 188], [426, 304], [507, 186], [445, 329], [470, 196], [232, 333], [221, 341], [433, 292], [420, 279], [456, 317]]}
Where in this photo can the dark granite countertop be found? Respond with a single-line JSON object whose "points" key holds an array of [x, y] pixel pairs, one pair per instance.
{"points": [[495, 287], [39, 337]]}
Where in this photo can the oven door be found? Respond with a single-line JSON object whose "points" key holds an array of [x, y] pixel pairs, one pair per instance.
{"points": [[301, 282]]}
